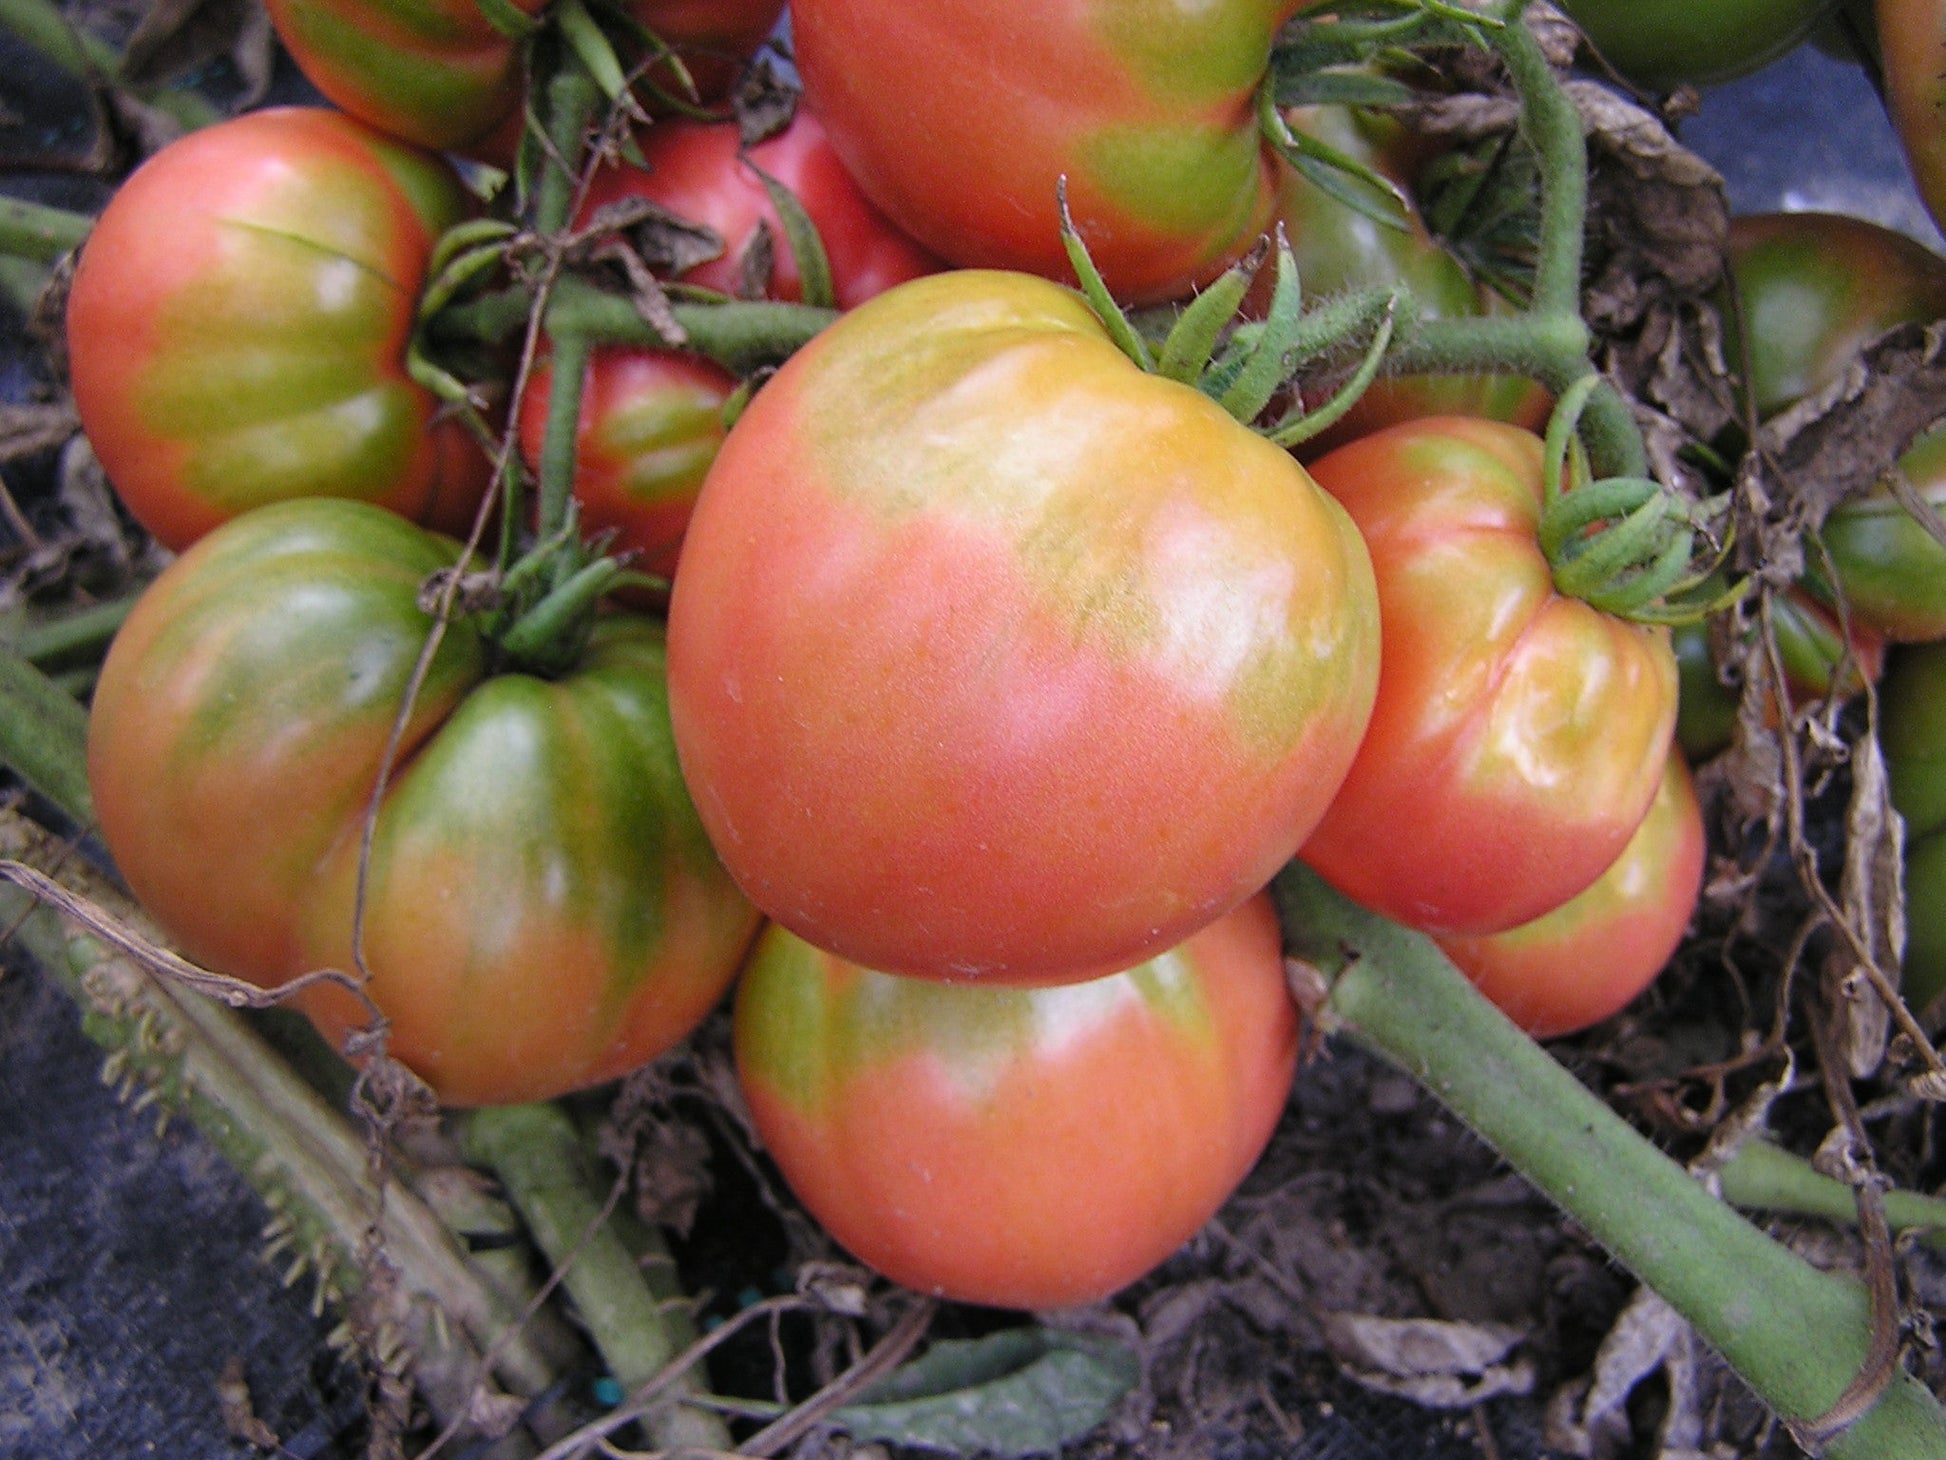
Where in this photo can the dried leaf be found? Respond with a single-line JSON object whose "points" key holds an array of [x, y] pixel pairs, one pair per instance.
{"points": [[765, 100], [1871, 891], [1641, 1342], [1432, 1361], [239, 1416], [668, 243], [28, 430]]}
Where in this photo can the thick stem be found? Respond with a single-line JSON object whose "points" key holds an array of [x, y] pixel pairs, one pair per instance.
{"points": [[536, 1153], [571, 101], [39, 233], [1796, 1334], [741, 336], [566, 382], [43, 730], [196, 1058], [83, 633], [1553, 127]]}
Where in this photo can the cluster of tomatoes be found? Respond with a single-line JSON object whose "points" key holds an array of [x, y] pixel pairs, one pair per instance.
{"points": [[999, 674]]}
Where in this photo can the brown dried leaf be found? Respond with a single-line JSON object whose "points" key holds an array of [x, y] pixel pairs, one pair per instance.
{"points": [[765, 100], [1642, 1341], [666, 242], [1432, 1361], [28, 430], [1871, 891], [239, 1415]]}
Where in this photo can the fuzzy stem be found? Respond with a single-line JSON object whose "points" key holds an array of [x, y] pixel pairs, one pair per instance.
{"points": [[39, 233], [1796, 1334], [1553, 127], [84, 632], [566, 382], [536, 1153], [309, 1164], [43, 730], [1765, 1177], [739, 335]]}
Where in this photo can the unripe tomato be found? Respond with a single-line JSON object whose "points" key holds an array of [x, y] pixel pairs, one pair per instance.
{"points": [[993, 657], [238, 327], [1027, 1148], [1519, 734], [543, 912], [1581, 963], [1912, 51], [1661, 44]]}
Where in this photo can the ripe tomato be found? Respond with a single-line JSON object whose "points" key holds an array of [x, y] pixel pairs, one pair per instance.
{"points": [[1518, 735], [652, 420], [239, 320], [1660, 44], [544, 911], [1912, 50], [702, 172], [651, 424], [991, 656], [958, 117], [1814, 288], [1581, 963], [1027, 1148]]}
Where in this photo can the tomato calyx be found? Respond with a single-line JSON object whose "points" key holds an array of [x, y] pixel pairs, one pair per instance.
{"points": [[1628, 545]]}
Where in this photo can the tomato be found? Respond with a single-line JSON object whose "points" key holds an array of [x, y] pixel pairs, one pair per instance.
{"points": [[1814, 288], [1027, 1148], [1573, 967], [993, 657], [1661, 44], [1518, 735], [1819, 661], [239, 320], [1912, 731], [439, 73], [544, 911], [958, 117], [1338, 249], [652, 420], [700, 171], [1912, 51], [651, 424], [434, 72]]}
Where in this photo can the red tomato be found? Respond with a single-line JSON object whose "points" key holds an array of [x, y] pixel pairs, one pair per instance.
{"points": [[958, 117], [1912, 49], [701, 171], [991, 656], [651, 424], [713, 37], [239, 320], [1519, 734], [1027, 1148], [1577, 965], [544, 910]]}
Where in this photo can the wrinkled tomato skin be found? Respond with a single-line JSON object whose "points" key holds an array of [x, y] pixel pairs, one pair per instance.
{"points": [[651, 424], [1813, 289], [544, 909], [1518, 735], [701, 171], [1912, 51], [993, 657], [959, 117], [238, 326], [1023, 1148], [1585, 961], [1661, 44]]}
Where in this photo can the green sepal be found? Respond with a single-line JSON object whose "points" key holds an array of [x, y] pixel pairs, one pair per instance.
{"points": [[1095, 289], [507, 18], [1268, 365], [1335, 172], [1192, 340], [801, 234], [593, 48], [1296, 429]]}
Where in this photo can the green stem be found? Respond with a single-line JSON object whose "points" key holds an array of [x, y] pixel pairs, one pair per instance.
{"points": [[193, 1057], [1796, 1334], [741, 336], [559, 444], [549, 637], [37, 232], [1765, 1177], [1553, 127], [43, 730], [537, 1155], [84, 632], [571, 102], [85, 56]]}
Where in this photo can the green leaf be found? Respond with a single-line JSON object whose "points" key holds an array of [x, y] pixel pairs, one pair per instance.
{"points": [[1343, 88], [1019, 1392], [807, 248], [507, 18], [595, 50]]}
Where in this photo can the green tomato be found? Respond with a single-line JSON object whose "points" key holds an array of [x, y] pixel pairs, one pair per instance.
{"points": [[1661, 44], [543, 909]]}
